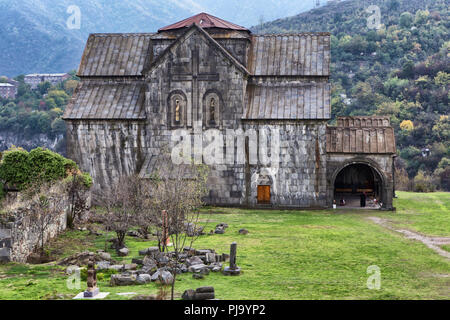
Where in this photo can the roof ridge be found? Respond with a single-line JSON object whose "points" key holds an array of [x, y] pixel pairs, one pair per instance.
{"points": [[212, 22]]}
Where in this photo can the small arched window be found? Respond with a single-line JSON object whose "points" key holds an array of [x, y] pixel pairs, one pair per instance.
{"points": [[177, 112], [177, 109], [212, 111]]}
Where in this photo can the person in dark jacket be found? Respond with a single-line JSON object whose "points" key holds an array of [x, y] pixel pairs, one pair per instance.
{"points": [[363, 199]]}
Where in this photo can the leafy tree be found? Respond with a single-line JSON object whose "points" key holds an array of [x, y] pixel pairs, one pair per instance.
{"points": [[70, 86], [43, 87], [441, 130], [406, 19], [393, 5], [58, 126], [421, 17], [442, 79], [407, 125]]}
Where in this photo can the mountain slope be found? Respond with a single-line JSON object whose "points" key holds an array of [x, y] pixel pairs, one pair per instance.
{"points": [[401, 69], [35, 36]]}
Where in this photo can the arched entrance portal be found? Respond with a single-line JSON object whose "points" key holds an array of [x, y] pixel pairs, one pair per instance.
{"points": [[358, 185]]}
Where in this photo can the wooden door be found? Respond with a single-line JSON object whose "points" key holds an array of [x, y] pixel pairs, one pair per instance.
{"points": [[263, 194]]}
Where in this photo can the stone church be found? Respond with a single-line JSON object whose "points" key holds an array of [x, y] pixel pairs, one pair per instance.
{"points": [[255, 92]]}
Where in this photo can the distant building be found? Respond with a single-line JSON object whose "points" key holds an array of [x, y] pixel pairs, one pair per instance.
{"points": [[8, 91], [54, 78]]}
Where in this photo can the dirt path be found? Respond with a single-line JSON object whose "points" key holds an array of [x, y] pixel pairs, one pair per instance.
{"points": [[433, 243]]}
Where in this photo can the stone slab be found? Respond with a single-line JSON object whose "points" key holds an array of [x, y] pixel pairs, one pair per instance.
{"points": [[101, 295], [126, 293]]}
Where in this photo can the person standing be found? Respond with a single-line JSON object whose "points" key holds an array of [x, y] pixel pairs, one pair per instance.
{"points": [[363, 199]]}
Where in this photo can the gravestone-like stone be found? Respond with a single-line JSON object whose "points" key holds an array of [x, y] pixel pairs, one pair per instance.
{"points": [[123, 252], [122, 280], [243, 231], [92, 289], [202, 293], [198, 276], [144, 278], [233, 269]]}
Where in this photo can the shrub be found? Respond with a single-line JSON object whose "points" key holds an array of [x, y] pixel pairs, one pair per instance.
{"points": [[87, 180], [441, 176], [402, 181], [2, 191], [77, 184], [15, 168], [423, 183], [19, 168]]}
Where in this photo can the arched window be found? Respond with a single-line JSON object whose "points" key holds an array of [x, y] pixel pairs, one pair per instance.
{"points": [[177, 109], [177, 112], [211, 109]]}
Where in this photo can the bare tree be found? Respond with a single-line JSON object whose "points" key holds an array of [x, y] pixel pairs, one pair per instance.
{"points": [[179, 191], [47, 206], [147, 218], [122, 202], [78, 199]]}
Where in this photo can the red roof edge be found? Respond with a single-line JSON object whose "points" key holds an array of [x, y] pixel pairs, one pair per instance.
{"points": [[204, 20]]}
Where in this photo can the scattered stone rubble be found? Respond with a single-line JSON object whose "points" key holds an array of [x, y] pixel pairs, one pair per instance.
{"points": [[155, 266], [220, 228], [82, 259], [193, 230]]}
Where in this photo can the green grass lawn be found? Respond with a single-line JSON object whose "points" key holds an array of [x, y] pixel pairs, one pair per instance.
{"points": [[287, 255]]}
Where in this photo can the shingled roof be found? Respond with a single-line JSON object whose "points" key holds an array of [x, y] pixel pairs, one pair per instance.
{"points": [[306, 54], [373, 135], [288, 101], [115, 54], [107, 101]]}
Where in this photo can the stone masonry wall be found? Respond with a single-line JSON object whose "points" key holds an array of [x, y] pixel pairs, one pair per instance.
{"points": [[300, 178], [19, 237], [107, 149]]}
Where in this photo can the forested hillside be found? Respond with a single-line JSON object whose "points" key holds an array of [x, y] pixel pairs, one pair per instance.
{"points": [[400, 69], [33, 119]]}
